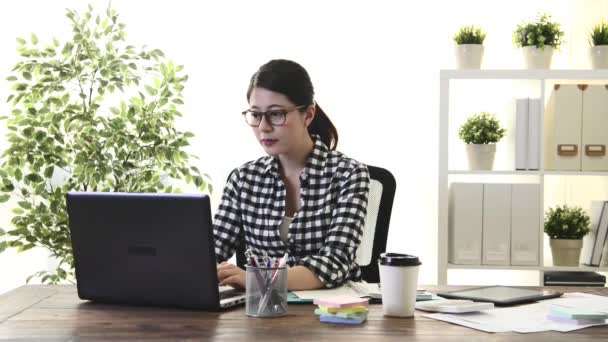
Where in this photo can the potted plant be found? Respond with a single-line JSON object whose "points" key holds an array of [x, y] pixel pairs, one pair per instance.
{"points": [[90, 114], [481, 132], [469, 47], [538, 41], [566, 226], [598, 52]]}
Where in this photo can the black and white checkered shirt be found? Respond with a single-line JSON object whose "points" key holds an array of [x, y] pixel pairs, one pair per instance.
{"points": [[324, 234]]}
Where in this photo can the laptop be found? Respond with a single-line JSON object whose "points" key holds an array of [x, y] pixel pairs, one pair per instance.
{"points": [[146, 249]]}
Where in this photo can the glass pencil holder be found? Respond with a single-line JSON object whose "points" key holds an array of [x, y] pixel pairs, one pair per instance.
{"points": [[266, 291]]}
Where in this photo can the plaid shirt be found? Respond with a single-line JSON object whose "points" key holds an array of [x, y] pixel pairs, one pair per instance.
{"points": [[324, 234]]}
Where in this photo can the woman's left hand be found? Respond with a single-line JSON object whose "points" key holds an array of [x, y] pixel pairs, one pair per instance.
{"points": [[230, 274]]}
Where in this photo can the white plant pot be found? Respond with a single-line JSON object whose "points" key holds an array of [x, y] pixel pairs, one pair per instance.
{"points": [[535, 58], [481, 156], [566, 252], [468, 56], [599, 56]]}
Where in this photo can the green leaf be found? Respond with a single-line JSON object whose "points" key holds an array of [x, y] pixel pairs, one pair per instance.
{"points": [[4, 198], [27, 75], [34, 39], [11, 78], [150, 90], [21, 41], [3, 246], [48, 172], [24, 205]]}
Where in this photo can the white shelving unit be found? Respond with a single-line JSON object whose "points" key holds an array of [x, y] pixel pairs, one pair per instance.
{"points": [[539, 79]]}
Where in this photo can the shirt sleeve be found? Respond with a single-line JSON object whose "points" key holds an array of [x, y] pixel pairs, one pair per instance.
{"points": [[227, 224], [336, 258]]}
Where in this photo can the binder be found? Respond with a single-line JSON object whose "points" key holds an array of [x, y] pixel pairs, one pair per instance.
{"points": [[521, 134], [533, 155], [563, 127], [594, 242], [595, 128], [465, 223], [525, 220], [496, 246]]}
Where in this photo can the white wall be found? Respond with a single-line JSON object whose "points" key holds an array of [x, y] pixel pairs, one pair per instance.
{"points": [[374, 64]]}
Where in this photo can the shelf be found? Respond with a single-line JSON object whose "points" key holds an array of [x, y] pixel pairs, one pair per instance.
{"points": [[529, 268], [576, 173], [524, 74], [491, 172], [528, 173], [510, 84]]}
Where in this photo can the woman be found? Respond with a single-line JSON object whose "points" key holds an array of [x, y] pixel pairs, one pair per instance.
{"points": [[304, 198]]}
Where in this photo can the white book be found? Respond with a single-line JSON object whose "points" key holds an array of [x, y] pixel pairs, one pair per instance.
{"points": [[533, 157], [496, 246], [593, 243], [521, 133], [464, 223], [525, 224]]}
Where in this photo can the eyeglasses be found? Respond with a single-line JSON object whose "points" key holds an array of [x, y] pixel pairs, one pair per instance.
{"points": [[276, 117]]}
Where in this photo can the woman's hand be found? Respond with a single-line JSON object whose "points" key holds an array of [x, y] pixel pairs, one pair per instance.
{"points": [[230, 274]]}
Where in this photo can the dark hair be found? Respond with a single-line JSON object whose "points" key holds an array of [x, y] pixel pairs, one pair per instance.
{"points": [[291, 79]]}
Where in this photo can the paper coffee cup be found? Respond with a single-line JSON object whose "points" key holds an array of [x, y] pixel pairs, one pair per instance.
{"points": [[398, 283]]}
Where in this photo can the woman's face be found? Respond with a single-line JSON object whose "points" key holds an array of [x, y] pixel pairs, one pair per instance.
{"points": [[279, 139]]}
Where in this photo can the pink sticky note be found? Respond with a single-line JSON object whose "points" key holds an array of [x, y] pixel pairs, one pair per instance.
{"points": [[341, 301]]}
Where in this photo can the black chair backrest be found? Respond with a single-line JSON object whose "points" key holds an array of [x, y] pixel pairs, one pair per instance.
{"points": [[369, 272]]}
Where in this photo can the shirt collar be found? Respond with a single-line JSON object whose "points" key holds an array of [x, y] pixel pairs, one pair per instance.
{"points": [[314, 164]]}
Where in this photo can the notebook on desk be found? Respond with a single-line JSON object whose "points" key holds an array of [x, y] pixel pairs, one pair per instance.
{"points": [[146, 249]]}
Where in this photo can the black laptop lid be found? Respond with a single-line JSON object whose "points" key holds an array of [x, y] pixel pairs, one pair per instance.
{"points": [[150, 249]]}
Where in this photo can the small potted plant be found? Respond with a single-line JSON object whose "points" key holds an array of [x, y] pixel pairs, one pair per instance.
{"points": [[469, 47], [538, 40], [598, 52], [481, 132], [566, 227]]}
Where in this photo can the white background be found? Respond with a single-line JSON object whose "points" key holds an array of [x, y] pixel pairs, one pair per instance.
{"points": [[375, 65]]}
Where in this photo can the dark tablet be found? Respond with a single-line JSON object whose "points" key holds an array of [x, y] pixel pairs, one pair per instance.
{"points": [[501, 295]]}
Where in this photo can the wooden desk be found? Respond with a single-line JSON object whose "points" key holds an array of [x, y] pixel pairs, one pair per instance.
{"points": [[54, 313]]}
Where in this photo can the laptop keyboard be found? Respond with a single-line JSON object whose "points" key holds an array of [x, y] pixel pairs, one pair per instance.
{"points": [[231, 293]]}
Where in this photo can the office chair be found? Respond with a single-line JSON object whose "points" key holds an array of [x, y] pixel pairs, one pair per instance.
{"points": [[375, 232]]}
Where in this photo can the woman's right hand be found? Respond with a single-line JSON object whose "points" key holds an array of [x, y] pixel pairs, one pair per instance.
{"points": [[230, 274]]}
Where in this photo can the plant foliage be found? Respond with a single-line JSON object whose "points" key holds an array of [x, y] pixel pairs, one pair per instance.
{"points": [[564, 222], [481, 128], [539, 33], [470, 35], [599, 34], [88, 114]]}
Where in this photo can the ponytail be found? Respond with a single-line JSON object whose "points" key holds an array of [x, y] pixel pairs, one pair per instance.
{"points": [[324, 128]]}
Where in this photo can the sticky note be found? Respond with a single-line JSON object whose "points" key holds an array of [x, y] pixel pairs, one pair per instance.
{"points": [[577, 313], [340, 314], [575, 321], [349, 309], [332, 319], [341, 301]]}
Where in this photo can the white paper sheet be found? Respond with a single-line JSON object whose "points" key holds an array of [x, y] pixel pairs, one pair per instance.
{"points": [[527, 318]]}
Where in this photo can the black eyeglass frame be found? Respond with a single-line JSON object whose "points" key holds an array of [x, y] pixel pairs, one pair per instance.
{"points": [[267, 114]]}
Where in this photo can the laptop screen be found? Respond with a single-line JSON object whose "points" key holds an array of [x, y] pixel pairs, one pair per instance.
{"points": [[151, 249]]}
